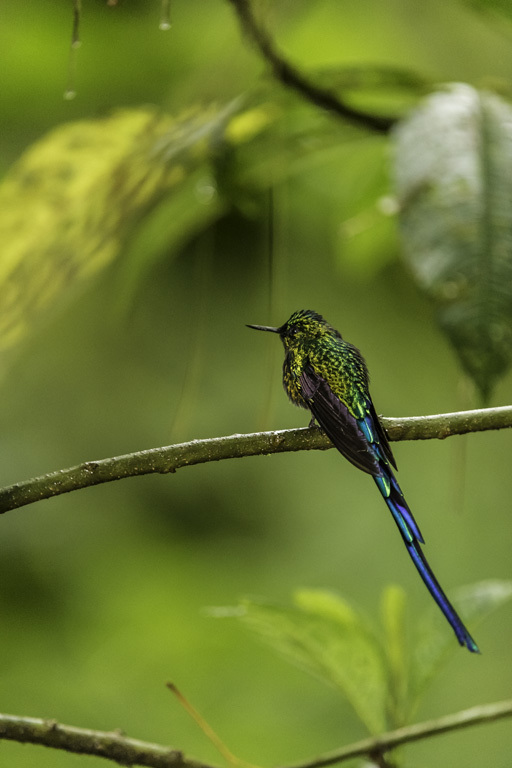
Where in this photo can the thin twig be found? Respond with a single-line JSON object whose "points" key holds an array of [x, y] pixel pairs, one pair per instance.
{"points": [[170, 458], [208, 731], [291, 77], [484, 713]]}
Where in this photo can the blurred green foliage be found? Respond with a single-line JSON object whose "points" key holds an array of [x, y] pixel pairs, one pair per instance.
{"points": [[381, 671], [103, 591]]}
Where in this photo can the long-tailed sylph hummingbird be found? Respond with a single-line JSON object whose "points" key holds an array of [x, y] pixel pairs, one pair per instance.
{"points": [[325, 374]]}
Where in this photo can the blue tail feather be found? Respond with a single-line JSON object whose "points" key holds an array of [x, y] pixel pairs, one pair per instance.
{"points": [[394, 497], [439, 596], [413, 539]]}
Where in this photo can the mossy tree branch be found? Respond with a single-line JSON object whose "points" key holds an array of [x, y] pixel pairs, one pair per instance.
{"points": [[125, 751], [170, 458], [83, 741]]}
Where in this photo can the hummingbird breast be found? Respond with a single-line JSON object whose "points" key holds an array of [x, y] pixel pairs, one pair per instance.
{"points": [[294, 363]]}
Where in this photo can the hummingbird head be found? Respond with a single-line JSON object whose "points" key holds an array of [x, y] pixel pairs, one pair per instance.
{"points": [[302, 327]]}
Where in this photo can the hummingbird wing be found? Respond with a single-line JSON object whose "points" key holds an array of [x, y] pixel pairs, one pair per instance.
{"points": [[362, 441], [381, 432], [336, 420]]}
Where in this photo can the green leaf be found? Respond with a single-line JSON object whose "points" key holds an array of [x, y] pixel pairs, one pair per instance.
{"points": [[325, 636], [382, 672], [453, 168], [435, 644]]}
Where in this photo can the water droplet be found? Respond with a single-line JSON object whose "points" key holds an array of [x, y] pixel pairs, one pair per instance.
{"points": [[165, 15], [70, 91], [206, 191], [388, 205]]}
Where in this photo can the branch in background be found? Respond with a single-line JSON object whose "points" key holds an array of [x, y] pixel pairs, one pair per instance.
{"points": [[125, 751], [291, 77], [378, 745], [173, 457], [82, 741]]}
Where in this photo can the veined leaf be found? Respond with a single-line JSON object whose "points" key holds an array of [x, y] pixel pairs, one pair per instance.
{"points": [[381, 671], [329, 639], [453, 170]]}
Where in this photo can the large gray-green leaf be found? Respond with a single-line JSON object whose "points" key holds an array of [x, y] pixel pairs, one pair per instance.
{"points": [[453, 178], [327, 637]]}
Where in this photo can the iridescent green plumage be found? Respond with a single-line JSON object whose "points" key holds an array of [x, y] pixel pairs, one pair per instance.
{"points": [[311, 340], [328, 376]]}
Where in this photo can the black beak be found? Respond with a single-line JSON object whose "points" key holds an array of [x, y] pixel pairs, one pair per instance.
{"points": [[264, 328]]}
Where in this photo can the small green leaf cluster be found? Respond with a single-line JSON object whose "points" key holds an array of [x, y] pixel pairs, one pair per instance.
{"points": [[381, 668]]}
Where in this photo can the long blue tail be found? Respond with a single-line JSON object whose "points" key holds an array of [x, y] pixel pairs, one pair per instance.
{"points": [[413, 540]]}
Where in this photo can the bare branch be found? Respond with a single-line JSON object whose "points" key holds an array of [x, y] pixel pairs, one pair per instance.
{"points": [[291, 77], [125, 751], [170, 458], [485, 713], [111, 745]]}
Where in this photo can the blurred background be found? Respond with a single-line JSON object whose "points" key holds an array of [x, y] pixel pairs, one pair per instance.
{"points": [[103, 593]]}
